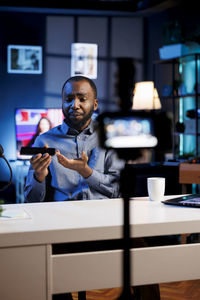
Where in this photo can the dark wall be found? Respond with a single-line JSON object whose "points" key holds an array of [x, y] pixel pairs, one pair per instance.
{"points": [[17, 90], [116, 36]]}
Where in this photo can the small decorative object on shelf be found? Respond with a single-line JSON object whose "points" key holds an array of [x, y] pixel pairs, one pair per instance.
{"points": [[182, 89], [177, 85], [172, 51], [191, 113], [167, 91], [180, 127], [197, 85]]}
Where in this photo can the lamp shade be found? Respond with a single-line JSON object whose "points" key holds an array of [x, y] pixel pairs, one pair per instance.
{"points": [[145, 96]]}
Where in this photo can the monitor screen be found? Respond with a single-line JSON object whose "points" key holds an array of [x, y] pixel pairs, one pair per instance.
{"points": [[31, 122]]}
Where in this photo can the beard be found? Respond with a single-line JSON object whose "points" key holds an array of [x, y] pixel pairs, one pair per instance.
{"points": [[78, 123]]}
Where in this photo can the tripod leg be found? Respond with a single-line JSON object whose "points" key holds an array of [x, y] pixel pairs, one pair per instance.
{"points": [[82, 295], [146, 292]]}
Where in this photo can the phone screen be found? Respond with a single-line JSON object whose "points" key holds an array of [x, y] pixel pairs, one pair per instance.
{"points": [[129, 132]]}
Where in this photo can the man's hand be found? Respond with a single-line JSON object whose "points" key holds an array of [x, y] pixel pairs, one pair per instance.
{"points": [[40, 164], [80, 164]]}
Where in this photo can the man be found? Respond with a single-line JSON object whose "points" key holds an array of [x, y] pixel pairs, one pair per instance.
{"points": [[80, 169]]}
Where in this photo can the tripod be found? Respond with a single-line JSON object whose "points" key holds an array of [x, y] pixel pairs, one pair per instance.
{"points": [[125, 191]]}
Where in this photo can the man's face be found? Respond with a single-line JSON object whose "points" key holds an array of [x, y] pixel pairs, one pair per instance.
{"points": [[78, 104]]}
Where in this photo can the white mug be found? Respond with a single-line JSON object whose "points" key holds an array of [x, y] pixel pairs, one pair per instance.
{"points": [[156, 188]]}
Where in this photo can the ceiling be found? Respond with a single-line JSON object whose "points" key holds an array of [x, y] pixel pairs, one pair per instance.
{"points": [[131, 6]]}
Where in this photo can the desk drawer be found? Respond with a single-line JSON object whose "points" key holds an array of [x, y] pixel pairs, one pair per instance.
{"points": [[86, 271], [98, 270]]}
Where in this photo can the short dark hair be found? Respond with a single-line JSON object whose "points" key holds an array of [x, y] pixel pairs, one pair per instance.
{"points": [[82, 78]]}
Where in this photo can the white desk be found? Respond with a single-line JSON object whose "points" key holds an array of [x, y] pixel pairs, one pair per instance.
{"points": [[29, 270]]}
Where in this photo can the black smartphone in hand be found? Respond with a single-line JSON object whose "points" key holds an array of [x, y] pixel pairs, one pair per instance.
{"points": [[36, 150]]}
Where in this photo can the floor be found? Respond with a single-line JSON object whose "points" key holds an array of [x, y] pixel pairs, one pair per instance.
{"points": [[184, 290]]}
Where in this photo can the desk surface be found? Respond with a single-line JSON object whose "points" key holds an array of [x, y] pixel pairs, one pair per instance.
{"points": [[73, 221]]}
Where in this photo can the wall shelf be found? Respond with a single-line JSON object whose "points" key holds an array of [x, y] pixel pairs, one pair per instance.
{"points": [[184, 70], [179, 96]]}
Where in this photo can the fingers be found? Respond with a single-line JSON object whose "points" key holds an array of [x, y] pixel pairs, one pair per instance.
{"points": [[73, 164], [63, 160], [35, 158], [84, 157], [40, 162]]}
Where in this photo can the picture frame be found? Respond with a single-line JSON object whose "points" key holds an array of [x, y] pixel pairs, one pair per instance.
{"points": [[24, 59], [84, 59]]}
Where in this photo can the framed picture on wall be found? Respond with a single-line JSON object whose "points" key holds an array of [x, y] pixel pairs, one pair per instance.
{"points": [[24, 59], [84, 60]]}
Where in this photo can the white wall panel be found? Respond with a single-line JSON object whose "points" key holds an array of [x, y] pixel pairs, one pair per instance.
{"points": [[57, 71], [93, 30], [59, 34], [127, 37]]}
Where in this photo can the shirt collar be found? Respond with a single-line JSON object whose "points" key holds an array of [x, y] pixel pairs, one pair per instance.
{"points": [[71, 131]]}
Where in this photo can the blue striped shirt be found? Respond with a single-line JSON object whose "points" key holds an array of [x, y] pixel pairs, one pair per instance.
{"points": [[69, 184]]}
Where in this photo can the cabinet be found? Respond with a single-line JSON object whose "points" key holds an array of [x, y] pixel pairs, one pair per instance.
{"points": [[23, 272], [177, 81]]}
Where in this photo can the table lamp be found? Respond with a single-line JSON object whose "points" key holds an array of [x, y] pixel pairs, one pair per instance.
{"points": [[145, 96]]}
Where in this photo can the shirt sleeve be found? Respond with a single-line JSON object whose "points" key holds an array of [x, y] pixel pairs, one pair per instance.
{"points": [[34, 190], [108, 182]]}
